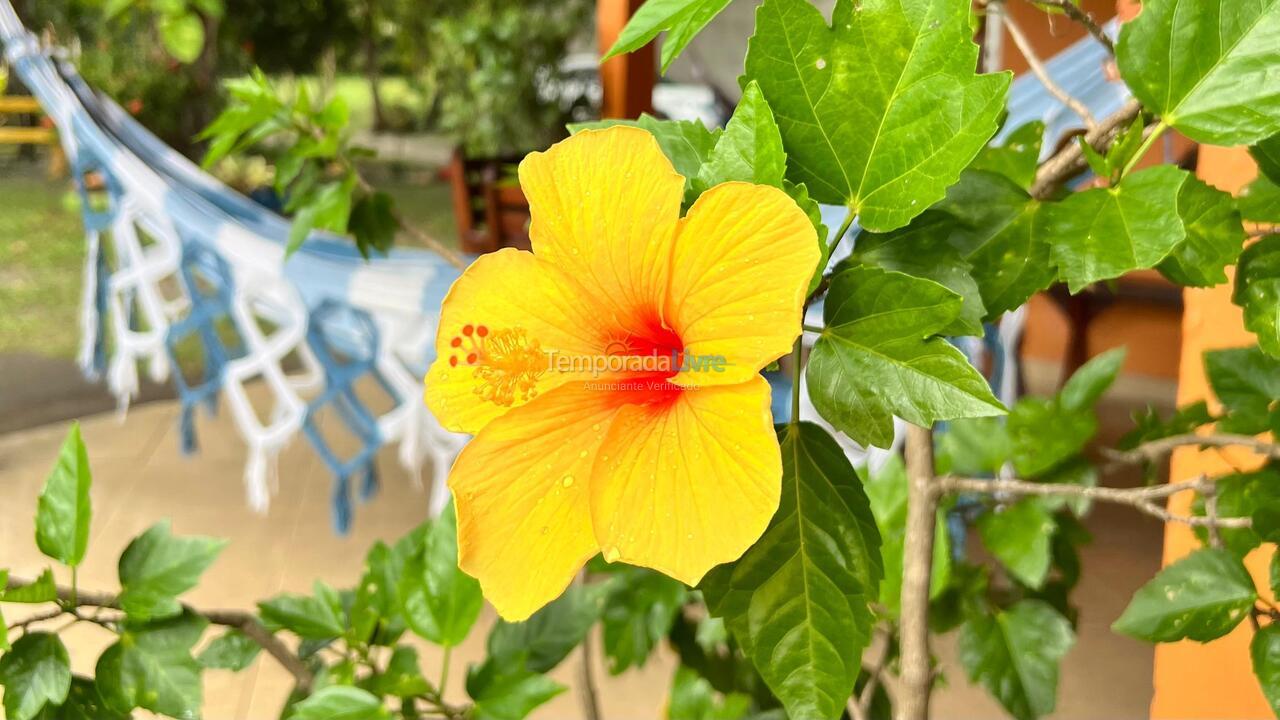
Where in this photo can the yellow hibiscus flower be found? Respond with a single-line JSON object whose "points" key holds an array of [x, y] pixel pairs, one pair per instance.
{"points": [[611, 377]]}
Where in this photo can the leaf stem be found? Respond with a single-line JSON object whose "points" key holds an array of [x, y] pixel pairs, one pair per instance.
{"points": [[444, 671], [1150, 140], [844, 229], [797, 356]]}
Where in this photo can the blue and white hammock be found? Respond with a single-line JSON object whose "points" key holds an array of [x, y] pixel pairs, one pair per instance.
{"points": [[176, 257]]}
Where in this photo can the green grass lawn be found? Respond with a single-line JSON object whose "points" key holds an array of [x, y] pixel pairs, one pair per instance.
{"points": [[42, 251]]}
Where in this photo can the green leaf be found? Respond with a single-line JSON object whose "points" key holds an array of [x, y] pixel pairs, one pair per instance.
{"points": [[402, 676], [440, 602], [553, 632], [233, 650], [1014, 654], [35, 671], [1275, 573], [800, 194], [686, 143], [157, 567], [1018, 158], [506, 692], [1150, 426], [1260, 201], [887, 492], [921, 249], [797, 601], [151, 667], [638, 613], [327, 208], [973, 446], [183, 36], [1267, 155], [1213, 236], [1019, 537], [880, 111], [1200, 597], [693, 698], [1086, 385], [1257, 290], [373, 223], [750, 150], [63, 511], [113, 8], [375, 608], [41, 590], [1001, 237], [311, 617], [1206, 68], [1265, 651], [83, 702], [1247, 381], [877, 348], [341, 702], [681, 19], [1243, 495], [1045, 434], [1103, 233]]}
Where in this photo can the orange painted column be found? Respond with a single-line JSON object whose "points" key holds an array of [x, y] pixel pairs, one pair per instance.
{"points": [[627, 80], [1212, 680]]}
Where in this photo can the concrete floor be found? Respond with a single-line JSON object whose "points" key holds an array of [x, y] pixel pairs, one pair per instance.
{"points": [[140, 476]]}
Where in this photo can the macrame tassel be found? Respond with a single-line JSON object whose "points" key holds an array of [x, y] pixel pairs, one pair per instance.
{"points": [[369, 484], [187, 426], [255, 480], [342, 505], [122, 380], [90, 311]]}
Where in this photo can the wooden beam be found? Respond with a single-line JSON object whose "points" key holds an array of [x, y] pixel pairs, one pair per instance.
{"points": [[20, 104], [27, 136], [628, 79]]}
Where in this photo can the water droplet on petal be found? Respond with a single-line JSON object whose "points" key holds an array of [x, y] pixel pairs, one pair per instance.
{"points": [[611, 554], [567, 481]]}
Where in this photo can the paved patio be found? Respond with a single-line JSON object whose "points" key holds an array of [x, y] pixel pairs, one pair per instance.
{"points": [[140, 476]]}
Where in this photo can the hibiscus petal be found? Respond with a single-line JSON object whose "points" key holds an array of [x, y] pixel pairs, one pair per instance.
{"points": [[497, 324], [520, 487], [605, 204], [688, 483], [740, 269]]}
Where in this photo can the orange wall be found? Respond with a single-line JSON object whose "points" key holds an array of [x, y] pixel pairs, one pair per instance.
{"points": [[1213, 680]]}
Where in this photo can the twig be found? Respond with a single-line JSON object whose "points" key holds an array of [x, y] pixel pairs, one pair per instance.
{"points": [[1070, 159], [590, 701], [1140, 498], [1083, 18], [238, 619], [862, 707], [1039, 70], [39, 618], [1158, 449], [917, 562], [1210, 494]]}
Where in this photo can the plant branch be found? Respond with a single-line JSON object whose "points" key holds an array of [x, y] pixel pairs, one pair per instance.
{"points": [[243, 621], [1042, 73], [590, 700], [917, 562], [1069, 8], [1070, 159], [1158, 449], [1141, 498], [860, 707]]}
